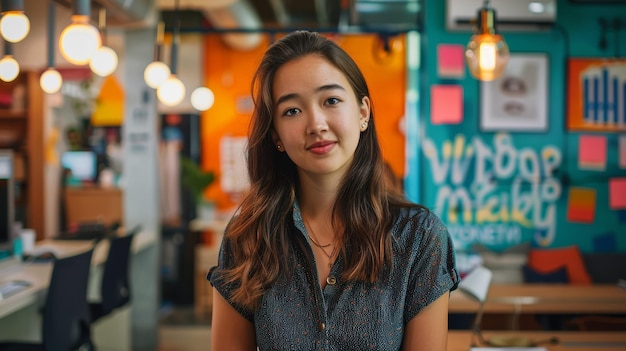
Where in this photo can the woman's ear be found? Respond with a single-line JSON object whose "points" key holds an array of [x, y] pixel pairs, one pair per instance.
{"points": [[365, 109], [276, 141]]}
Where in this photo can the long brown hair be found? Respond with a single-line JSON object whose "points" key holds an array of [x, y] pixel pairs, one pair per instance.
{"points": [[260, 232]]}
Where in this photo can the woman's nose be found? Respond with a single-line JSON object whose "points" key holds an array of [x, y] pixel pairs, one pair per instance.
{"points": [[317, 122]]}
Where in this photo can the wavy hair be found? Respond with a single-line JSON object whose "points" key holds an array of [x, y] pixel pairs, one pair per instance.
{"points": [[260, 232]]}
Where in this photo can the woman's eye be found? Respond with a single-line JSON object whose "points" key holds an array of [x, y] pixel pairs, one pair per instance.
{"points": [[291, 112], [333, 101]]}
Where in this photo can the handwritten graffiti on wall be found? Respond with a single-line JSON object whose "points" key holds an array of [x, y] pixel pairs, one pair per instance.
{"points": [[488, 193]]}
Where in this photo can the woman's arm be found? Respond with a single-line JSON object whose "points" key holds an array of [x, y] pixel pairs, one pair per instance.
{"points": [[428, 330], [230, 331]]}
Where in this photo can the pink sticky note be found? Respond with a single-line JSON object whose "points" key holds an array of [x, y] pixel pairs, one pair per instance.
{"points": [[592, 152], [617, 193], [446, 104], [450, 61], [622, 151]]}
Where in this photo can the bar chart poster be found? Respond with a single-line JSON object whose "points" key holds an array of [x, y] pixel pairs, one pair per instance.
{"points": [[596, 95]]}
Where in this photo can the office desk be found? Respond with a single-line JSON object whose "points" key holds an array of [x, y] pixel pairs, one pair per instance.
{"points": [[545, 298], [19, 313], [574, 341]]}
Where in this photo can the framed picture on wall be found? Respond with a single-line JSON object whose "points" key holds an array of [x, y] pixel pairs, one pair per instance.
{"points": [[517, 100], [596, 95]]}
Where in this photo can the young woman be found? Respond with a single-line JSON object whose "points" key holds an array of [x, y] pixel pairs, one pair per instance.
{"points": [[322, 254]]}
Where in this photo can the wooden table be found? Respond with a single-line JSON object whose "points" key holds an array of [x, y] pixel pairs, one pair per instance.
{"points": [[574, 341], [545, 298]]}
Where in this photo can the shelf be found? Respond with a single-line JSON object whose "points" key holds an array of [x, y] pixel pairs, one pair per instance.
{"points": [[10, 114]]}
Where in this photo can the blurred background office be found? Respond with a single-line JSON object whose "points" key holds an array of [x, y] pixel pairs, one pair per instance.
{"points": [[509, 157]]}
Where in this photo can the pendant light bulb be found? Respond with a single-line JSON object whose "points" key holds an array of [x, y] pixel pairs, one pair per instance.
{"points": [[14, 26], [486, 53], [51, 81], [79, 41], [171, 92], [104, 61], [202, 98], [9, 68], [156, 73]]}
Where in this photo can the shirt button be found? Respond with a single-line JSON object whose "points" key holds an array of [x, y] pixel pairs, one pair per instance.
{"points": [[331, 280], [322, 326]]}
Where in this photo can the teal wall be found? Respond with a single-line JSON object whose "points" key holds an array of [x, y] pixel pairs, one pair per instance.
{"points": [[542, 205]]}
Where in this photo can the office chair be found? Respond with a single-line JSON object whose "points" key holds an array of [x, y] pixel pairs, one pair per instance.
{"points": [[65, 314], [115, 289]]}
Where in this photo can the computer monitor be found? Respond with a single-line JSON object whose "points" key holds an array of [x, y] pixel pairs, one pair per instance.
{"points": [[7, 202], [82, 164]]}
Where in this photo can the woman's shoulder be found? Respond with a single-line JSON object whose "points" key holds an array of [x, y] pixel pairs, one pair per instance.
{"points": [[416, 224], [417, 215]]}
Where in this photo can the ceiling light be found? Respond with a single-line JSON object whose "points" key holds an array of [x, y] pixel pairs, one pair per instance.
{"points": [[157, 71], [80, 40], [9, 68], [14, 25], [51, 80], [104, 60], [487, 53], [172, 91], [202, 98]]}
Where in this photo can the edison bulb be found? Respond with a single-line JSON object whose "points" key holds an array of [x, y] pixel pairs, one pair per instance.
{"points": [[50, 81], [171, 92], [9, 68], [487, 56], [202, 98], [103, 62], [79, 41], [156, 73], [14, 26]]}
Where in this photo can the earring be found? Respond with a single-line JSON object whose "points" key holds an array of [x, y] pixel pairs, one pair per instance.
{"points": [[278, 146], [364, 125]]}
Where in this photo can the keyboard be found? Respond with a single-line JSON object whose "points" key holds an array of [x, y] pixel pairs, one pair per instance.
{"points": [[83, 235], [12, 287]]}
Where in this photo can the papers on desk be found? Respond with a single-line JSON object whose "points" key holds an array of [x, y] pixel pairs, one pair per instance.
{"points": [[12, 287], [508, 349]]}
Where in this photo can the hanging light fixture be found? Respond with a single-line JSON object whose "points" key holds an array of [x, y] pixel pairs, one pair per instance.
{"points": [[157, 71], [202, 98], [104, 61], [487, 53], [14, 24], [9, 68], [51, 80], [80, 40], [172, 91]]}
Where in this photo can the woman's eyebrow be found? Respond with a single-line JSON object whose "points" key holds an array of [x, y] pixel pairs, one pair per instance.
{"points": [[289, 96]]}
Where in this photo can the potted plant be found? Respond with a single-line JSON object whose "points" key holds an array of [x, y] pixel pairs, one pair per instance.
{"points": [[194, 179]]}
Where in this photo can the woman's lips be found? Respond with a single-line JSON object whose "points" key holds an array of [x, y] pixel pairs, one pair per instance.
{"points": [[321, 147]]}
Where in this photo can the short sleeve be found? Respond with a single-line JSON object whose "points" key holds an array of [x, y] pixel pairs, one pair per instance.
{"points": [[433, 272], [216, 277]]}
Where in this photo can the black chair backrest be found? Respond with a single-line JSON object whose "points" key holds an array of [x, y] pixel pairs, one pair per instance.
{"points": [[115, 277], [66, 313]]}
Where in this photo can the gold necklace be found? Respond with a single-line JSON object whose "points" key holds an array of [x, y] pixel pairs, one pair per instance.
{"points": [[322, 247], [314, 237]]}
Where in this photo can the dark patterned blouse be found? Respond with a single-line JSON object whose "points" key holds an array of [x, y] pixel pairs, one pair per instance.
{"points": [[295, 313]]}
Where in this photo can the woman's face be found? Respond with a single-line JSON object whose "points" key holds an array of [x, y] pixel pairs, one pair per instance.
{"points": [[317, 118]]}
